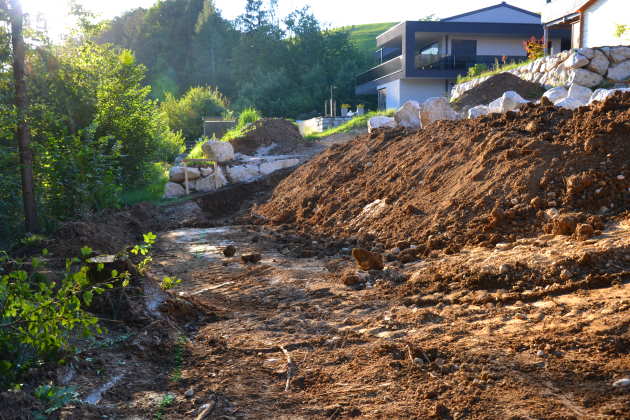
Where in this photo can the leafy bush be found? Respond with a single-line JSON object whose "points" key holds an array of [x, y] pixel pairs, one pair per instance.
{"points": [[186, 114], [477, 69], [39, 315], [248, 116], [534, 47]]}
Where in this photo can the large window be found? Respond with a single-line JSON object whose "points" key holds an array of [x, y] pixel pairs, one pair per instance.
{"points": [[428, 55]]}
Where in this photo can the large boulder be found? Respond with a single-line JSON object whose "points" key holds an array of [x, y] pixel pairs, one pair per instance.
{"points": [[620, 72], [219, 151], [211, 183], [576, 61], [267, 168], [600, 95], [436, 109], [478, 111], [586, 78], [173, 190], [381, 121], [587, 52], [619, 54], [408, 115], [243, 173], [177, 174], [569, 103], [510, 101], [599, 63], [580, 93], [556, 94]]}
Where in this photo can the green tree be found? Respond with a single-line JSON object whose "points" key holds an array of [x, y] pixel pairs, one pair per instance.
{"points": [[186, 114]]}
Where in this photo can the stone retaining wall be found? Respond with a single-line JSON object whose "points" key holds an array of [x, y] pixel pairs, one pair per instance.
{"points": [[588, 67]]}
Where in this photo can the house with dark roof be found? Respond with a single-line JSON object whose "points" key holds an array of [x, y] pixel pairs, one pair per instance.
{"points": [[593, 23], [422, 59]]}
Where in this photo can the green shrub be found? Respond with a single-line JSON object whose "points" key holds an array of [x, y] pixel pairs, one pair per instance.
{"points": [[248, 116], [477, 69], [186, 114]]}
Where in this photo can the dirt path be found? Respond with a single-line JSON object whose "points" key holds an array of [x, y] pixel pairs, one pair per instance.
{"points": [[383, 352]]}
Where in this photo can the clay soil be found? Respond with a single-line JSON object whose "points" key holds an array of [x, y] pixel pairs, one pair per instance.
{"points": [[494, 87], [505, 293]]}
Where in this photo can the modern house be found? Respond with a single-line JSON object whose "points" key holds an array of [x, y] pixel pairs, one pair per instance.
{"points": [[593, 23], [422, 59]]}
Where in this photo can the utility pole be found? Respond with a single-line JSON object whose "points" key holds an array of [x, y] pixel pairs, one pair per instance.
{"points": [[22, 132], [333, 108]]}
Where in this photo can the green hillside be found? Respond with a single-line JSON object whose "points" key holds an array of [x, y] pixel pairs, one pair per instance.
{"points": [[364, 36]]}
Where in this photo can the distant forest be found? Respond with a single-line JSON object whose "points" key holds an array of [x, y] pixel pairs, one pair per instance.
{"points": [[283, 68]]}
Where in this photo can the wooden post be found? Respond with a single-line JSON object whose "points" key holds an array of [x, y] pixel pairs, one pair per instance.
{"points": [[546, 40], [186, 178]]}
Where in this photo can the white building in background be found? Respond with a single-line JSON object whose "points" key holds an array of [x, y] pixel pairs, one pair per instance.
{"points": [[419, 60], [593, 23]]}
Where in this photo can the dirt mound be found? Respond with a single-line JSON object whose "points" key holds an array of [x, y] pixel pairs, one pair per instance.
{"points": [[473, 182], [111, 233], [496, 86], [267, 131]]}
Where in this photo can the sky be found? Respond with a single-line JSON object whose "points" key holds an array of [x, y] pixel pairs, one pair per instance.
{"points": [[332, 13]]}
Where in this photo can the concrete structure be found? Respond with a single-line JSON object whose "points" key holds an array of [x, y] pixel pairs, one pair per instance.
{"points": [[593, 23], [320, 124], [420, 60]]}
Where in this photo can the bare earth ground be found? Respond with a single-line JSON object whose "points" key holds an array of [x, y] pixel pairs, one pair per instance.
{"points": [[376, 352], [538, 328]]}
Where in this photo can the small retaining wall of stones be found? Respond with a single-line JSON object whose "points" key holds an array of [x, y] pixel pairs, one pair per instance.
{"points": [[589, 67]]}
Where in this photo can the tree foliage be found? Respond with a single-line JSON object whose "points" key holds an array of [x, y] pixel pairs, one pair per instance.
{"points": [[284, 69]]}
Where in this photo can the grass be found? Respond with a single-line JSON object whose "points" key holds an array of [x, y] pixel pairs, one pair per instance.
{"points": [[354, 124], [153, 191], [167, 401], [364, 36], [495, 70]]}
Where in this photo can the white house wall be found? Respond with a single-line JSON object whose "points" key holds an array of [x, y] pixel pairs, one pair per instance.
{"points": [[393, 93], [421, 89], [600, 21], [498, 15]]}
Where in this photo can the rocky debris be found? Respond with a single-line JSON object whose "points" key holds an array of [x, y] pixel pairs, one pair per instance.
{"points": [[599, 63], [173, 190], [251, 258], [580, 93], [367, 260], [282, 134], [622, 383], [586, 78], [584, 231], [243, 173], [436, 109], [576, 61], [408, 115], [509, 101], [620, 72], [569, 103], [219, 151], [478, 111], [556, 94], [381, 122], [178, 174], [212, 182], [229, 251], [588, 67]]}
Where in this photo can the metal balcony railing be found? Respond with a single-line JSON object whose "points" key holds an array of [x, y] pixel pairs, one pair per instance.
{"points": [[381, 70]]}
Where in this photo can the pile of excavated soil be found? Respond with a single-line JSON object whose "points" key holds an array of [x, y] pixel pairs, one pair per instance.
{"points": [[494, 87], [267, 131], [490, 180]]}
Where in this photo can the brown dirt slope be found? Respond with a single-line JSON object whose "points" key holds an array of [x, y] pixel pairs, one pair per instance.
{"points": [[267, 131], [471, 182], [494, 87]]}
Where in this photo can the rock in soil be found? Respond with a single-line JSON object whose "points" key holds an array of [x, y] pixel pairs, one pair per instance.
{"points": [[251, 258], [229, 251], [368, 260]]}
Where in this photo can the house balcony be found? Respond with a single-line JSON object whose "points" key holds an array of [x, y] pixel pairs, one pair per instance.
{"points": [[461, 63], [385, 69]]}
